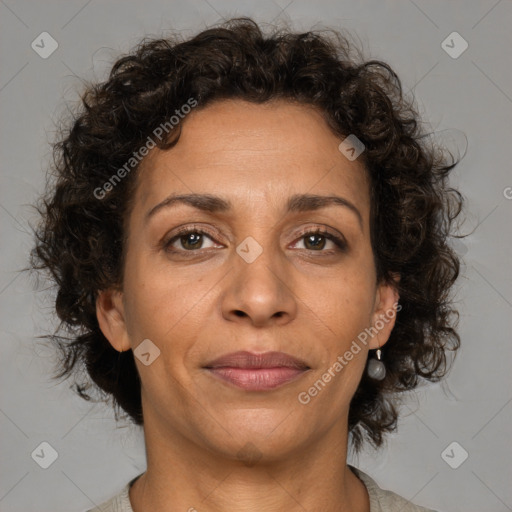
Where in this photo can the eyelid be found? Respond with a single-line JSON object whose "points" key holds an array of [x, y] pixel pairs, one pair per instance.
{"points": [[191, 228], [314, 227]]}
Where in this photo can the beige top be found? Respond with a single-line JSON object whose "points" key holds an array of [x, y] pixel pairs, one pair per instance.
{"points": [[380, 500]]}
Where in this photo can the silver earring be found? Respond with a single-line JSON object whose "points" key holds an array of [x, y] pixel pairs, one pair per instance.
{"points": [[376, 368]]}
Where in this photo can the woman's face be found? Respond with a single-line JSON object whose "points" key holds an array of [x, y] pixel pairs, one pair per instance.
{"points": [[248, 278]]}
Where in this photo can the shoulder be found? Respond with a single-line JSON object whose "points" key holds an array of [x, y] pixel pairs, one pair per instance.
{"points": [[382, 500], [118, 503]]}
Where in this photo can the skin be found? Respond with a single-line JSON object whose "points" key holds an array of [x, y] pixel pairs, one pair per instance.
{"points": [[310, 300]]}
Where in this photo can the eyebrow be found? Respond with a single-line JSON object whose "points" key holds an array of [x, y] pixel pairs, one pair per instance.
{"points": [[215, 204], [311, 202]]}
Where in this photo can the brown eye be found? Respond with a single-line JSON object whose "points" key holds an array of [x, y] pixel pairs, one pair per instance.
{"points": [[191, 241], [314, 241], [319, 239], [188, 241]]}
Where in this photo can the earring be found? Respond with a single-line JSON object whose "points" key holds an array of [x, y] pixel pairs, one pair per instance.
{"points": [[376, 368]]}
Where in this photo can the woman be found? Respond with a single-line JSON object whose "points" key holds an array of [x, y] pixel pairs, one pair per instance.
{"points": [[248, 236]]}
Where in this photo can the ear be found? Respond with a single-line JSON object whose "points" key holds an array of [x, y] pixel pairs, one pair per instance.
{"points": [[110, 314], [384, 313]]}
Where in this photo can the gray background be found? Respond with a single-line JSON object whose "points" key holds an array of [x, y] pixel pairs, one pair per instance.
{"points": [[467, 100]]}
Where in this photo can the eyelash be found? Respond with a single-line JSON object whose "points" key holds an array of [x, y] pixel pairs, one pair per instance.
{"points": [[339, 242]]}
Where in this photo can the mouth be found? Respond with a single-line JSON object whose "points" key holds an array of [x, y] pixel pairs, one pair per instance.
{"points": [[257, 372]]}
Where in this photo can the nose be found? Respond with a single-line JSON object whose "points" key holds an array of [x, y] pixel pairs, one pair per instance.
{"points": [[259, 293]]}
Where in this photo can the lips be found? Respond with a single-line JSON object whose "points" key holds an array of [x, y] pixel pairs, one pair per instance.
{"points": [[257, 372]]}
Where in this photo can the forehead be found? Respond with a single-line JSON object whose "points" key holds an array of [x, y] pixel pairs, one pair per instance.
{"points": [[265, 151]]}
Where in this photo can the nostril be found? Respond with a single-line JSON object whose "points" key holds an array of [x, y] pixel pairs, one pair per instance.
{"points": [[239, 313]]}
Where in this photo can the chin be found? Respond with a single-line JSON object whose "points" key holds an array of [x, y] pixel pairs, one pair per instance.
{"points": [[263, 435]]}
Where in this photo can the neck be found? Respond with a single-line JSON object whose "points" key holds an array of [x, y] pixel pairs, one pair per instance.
{"points": [[183, 476]]}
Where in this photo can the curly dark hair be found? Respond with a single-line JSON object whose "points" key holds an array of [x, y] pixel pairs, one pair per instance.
{"points": [[81, 238]]}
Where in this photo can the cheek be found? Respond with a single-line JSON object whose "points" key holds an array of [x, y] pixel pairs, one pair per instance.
{"points": [[161, 303], [344, 301], [344, 308]]}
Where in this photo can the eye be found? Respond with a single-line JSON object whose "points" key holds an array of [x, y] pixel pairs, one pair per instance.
{"points": [[318, 239], [189, 239]]}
